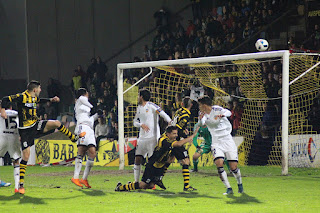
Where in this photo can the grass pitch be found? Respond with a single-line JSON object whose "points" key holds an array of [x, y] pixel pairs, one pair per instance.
{"points": [[49, 189]]}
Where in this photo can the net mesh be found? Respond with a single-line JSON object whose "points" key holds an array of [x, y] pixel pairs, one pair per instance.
{"points": [[258, 99]]}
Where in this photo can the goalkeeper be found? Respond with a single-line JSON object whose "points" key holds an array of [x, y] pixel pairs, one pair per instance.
{"points": [[205, 146]]}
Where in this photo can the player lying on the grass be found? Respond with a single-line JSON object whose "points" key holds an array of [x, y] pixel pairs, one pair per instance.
{"points": [[155, 167], [9, 142], [85, 123], [215, 117], [30, 127], [204, 147]]}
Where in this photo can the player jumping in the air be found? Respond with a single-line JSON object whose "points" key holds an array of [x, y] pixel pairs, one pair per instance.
{"points": [[85, 123], [30, 127], [147, 119], [215, 117], [156, 165]]}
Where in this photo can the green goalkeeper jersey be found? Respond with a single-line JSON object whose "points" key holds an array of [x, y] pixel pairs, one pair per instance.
{"points": [[203, 132]]}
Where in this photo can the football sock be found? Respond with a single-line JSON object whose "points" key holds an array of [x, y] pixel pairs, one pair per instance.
{"points": [[237, 174], [223, 176], [186, 175], [129, 186], [23, 167], [195, 165], [166, 166], [66, 131], [77, 166], [89, 165], [16, 176], [136, 172]]}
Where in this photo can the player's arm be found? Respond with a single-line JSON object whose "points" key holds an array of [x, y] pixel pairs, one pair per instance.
{"points": [[136, 123], [84, 101], [186, 140], [195, 138], [44, 100], [162, 113], [5, 100]]}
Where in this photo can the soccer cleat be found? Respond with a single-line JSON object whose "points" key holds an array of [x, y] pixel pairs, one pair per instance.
{"points": [[161, 185], [193, 170], [154, 187], [3, 184], [16, 191], [240, 188], [76, 181], [82, 134], [189, 189], [228, 192], [85, 182], [117, 189], [21, 190]]}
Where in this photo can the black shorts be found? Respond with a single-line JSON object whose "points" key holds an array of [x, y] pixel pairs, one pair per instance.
{"points": [[152, 174], [180, 153], [28, 135]]}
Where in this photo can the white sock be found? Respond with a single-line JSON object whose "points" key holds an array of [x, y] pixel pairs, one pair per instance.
{"points": [[223, 176], [136, 172], [77, 167], [16, 176], [89, 165], [237, 174]]}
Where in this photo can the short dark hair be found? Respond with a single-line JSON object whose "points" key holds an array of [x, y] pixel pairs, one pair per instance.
{"points": [[6, 104], [80, 92], [169, 129], [205, 100], [186, 101], [145, 94], [32, 85]]}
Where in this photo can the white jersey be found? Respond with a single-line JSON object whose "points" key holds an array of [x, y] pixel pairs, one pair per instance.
{"points": [[149, 115], [82, 110], [9, 136], [217, 126]]}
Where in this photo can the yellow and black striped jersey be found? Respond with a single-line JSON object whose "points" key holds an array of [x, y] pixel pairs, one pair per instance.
{"points": [[161, 152], [27, 108], [181, 118], [176, 106]]}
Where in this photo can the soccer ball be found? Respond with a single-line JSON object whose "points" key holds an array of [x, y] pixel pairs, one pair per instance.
{"points": [[262, 45]]}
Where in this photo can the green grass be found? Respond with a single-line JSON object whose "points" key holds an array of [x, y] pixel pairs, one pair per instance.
{"points": [[49, 189]]}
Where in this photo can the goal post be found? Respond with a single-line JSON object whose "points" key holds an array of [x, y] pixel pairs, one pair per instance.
{"points": [[205, 71]]}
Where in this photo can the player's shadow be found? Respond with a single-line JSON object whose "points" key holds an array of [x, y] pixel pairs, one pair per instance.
{"points": [[242, 199], [24, 199], [170, 194], [92, 192]]}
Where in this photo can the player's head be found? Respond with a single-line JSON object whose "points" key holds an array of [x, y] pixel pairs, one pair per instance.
{"points": [[172, 132], [34, 87], [6, 105], [187, 102], [82, 92], [204, 102], [144, 94]]}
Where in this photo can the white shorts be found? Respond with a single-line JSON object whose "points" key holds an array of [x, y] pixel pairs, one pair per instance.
{"points": [[146, 146], [224, 146], [10, 143], [88, 139]]}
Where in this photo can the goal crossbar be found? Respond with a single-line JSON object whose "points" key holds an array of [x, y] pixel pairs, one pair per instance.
{"points": [[284, 54]]}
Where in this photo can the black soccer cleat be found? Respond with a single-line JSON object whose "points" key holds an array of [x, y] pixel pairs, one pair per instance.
{"points": [[189, 189], [161, 185], [117, 189]]}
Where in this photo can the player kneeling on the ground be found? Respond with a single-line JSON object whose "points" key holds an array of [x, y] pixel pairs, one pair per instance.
{"points": [[87, 143], [156, 165]]}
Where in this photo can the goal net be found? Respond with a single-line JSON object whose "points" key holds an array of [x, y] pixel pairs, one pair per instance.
{"points": [[275, 126]]}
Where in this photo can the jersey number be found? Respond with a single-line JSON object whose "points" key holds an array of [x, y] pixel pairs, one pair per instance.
{"points": [[11, 123]]}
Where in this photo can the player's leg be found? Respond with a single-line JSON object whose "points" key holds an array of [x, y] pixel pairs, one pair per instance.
{"points": [[23, 168], [3, 150], [78, 165], [14, 150], [141, 152], [55, 124], [233, 163], [195, 161], [89, 165], [16, 174]]}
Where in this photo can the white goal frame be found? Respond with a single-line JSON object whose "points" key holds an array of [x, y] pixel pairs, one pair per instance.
{"points": [[284, 54]]}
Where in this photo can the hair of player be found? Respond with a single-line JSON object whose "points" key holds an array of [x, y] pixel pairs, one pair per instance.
{"points": [[186, 101], [205, 100], [32, 85], [169, 129], [80, 92], [145, 94]]}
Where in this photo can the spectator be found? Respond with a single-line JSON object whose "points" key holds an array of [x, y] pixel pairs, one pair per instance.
{"points": [[101, 131], [92, 68], [101, 69], [76, 82], [235, 117]]}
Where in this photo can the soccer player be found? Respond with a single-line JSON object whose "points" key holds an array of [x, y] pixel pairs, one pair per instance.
{"points": [[9, 141], [147, 119], [30, 127], [215, 117], [85, 123], [181, 120], [156, 165]]}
